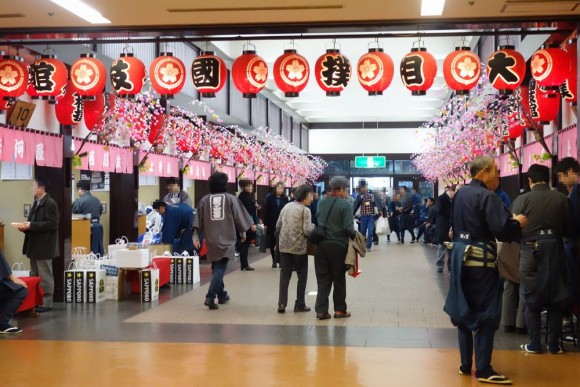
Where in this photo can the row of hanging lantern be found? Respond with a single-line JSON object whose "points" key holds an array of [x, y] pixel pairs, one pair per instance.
{"points": [[552, 67]]}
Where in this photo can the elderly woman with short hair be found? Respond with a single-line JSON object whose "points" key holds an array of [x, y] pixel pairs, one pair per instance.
{"points": [[294, 226]]}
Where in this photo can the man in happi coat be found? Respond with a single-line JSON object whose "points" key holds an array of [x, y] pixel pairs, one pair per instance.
{"points": [[475, 290], [221, 217]]}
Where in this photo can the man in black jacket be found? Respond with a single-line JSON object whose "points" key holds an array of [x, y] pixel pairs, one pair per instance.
{"points": [[41, 240], [273, 206], [12, 293], [249, 202]]}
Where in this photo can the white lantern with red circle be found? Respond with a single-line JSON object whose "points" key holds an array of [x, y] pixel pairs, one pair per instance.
{"points": [[291, 73], [375, 71], [418, 69], [332, 72], [13, 77], [167, 74], [209, 74], [249, 73], [88, 76], [462, 69]]}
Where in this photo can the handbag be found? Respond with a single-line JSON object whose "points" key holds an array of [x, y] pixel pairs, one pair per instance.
{"points": [[319, 233]]}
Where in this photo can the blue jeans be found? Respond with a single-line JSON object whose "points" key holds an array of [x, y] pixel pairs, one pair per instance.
{"points": [[483, 347], [367, 223], [216, 286]]}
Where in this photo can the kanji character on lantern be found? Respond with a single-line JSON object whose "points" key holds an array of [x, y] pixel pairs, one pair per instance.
{"points": [[127, 75], [333, 72], [49, 76], [418, 69], [209, 74], [506, 69]]}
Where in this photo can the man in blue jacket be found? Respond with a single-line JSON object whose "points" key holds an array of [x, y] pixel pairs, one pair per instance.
{"points": [[177, 228]]}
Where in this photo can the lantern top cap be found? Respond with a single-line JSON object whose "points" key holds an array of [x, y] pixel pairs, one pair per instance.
{"points": [[415, 49], [248, 52], [462, 48], [376, 49], [332, 51], [127, 55], [165, 54], [507, 47], [290, 51], [48, 56], [14, 57], [87, 55], [207, 53]]}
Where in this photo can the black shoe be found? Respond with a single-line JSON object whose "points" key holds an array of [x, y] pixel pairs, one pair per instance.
{"points": [[509, 329], [464, 370], [388, 241], [301, 308], [210, 303], [531, 349], [400, 243], [376, 243], [281, 308], [439, 270], [274, 265], [224, 300], [42, 309], [555, 350], [412, 241], [248, 268]]}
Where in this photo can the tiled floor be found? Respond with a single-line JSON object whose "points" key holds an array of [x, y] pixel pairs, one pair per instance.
{"points": [[398, 335]]}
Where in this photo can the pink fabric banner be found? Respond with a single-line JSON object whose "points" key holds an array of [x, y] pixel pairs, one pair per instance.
{"points": [[56, 156], [107, 165], [171, 166], [230, 171], [246, 174], [85, 159], [8, 146], [2, 130], [507, 168], [198, 170], [262, 178], [127, 160], [41, 148], [567, 143], [533, 155]]}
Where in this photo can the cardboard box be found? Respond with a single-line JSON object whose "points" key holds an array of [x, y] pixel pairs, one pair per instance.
{"points": [[160, 249]]}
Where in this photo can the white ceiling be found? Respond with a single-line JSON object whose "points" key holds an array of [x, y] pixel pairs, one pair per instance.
{"points": [[354, 105]]}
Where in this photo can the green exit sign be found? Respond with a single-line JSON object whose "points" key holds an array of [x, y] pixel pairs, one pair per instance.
{"points": [[370, 162]]}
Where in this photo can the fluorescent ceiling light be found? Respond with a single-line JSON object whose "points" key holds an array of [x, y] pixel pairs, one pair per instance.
{"points": [[83, 11], [432, 7]]}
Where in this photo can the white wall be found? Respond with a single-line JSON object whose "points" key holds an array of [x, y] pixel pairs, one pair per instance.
{"points": [[325, 141]]}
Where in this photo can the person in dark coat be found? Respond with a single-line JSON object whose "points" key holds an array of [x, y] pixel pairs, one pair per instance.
{"points": [[273, 206], [177, 229], [13, 292], [543, 270], [442, 226], [407, 217], [568, 171], [314, 207], [41, 240], [424, 220], [474, 299], [393, 217], [87, 204], [249, 202]]}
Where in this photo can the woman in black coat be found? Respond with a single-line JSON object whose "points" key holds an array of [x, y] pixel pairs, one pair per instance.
{"points": [[273, 206], [249, 202], [442, 226]]}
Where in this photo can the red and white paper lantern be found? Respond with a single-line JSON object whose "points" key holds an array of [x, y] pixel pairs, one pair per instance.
{"points": [[462, 69], [375, 71], [209, 74], [49, 77], [69, 110], [94, 110], [418, 69], [13, 77], [127, 75], [569, 88], [332, 72], [249, 73], [550, 67], [167, 74], [88, 76], [506, 69], [544, 105], [291, 73]]}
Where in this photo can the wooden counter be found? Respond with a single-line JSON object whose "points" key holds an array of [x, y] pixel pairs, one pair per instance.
{"points": [[81, 233]]}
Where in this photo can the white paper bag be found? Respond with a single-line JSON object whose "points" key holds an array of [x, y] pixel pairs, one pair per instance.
{"points": [[95, 285], [381, 226], [191, 269], [19, 270], [120, 243], [149, 279]]}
